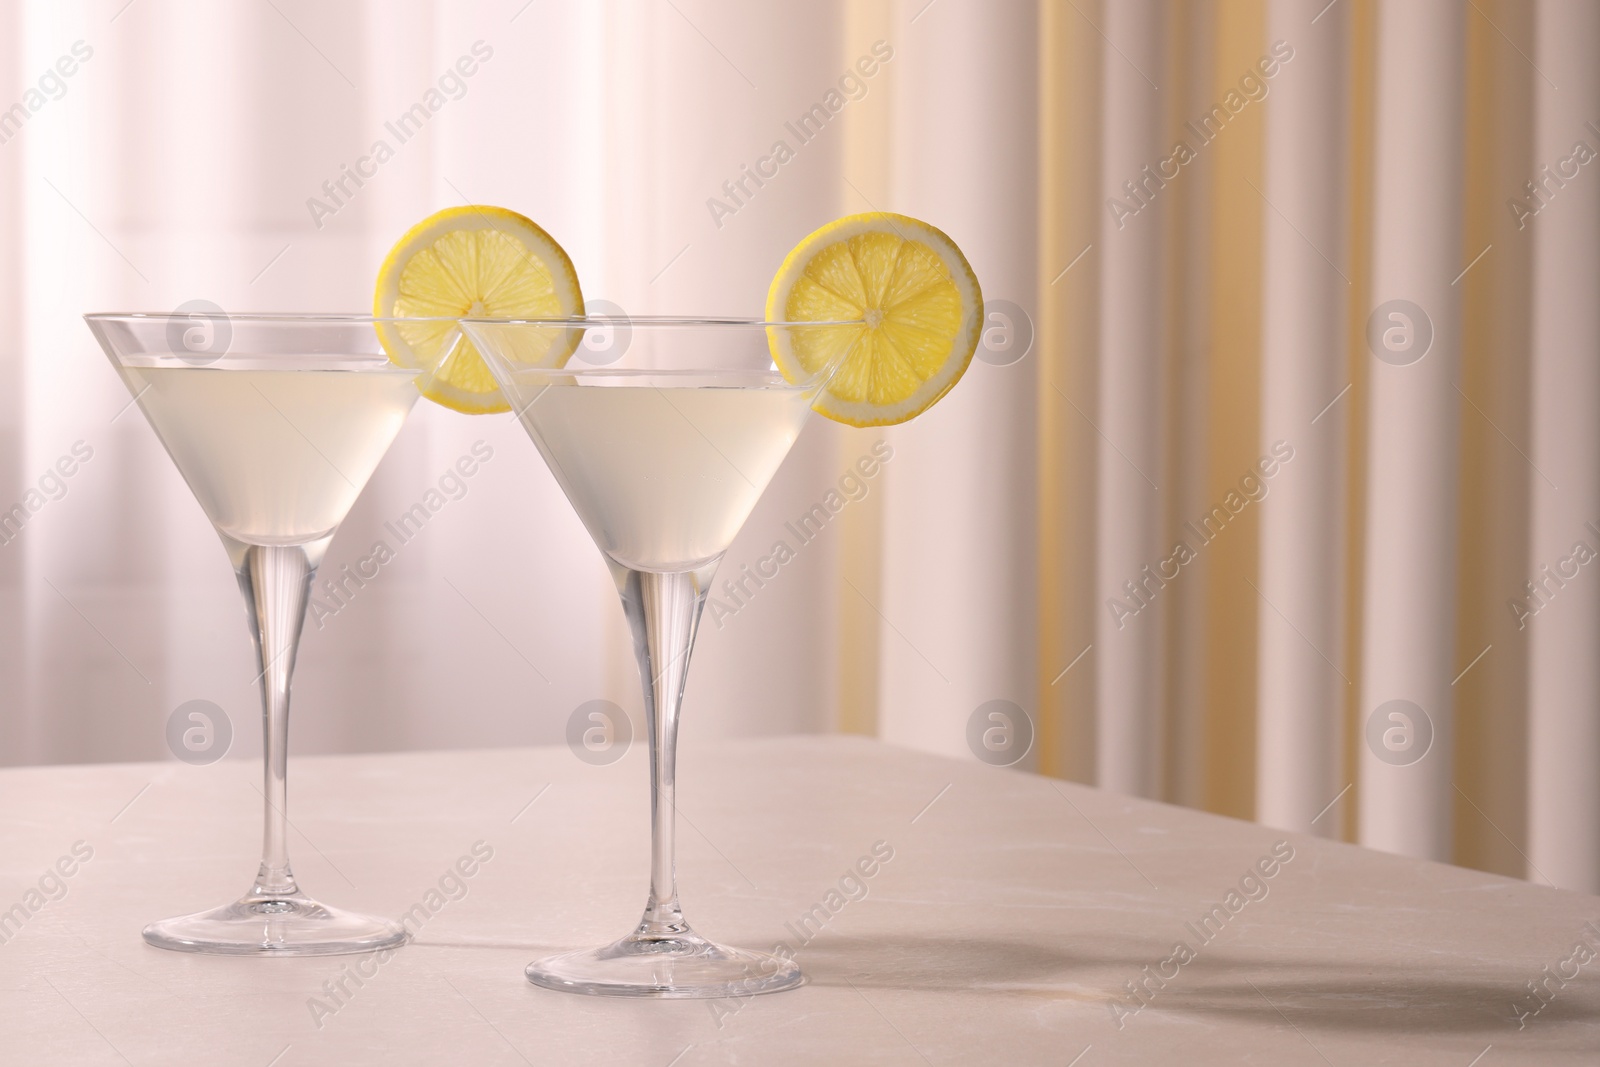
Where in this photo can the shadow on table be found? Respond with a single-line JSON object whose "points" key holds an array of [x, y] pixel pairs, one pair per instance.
{"points": [[1321, 995]]}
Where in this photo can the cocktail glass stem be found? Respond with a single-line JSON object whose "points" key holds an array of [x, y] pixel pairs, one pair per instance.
{"points": [[663, 956], [276, 583], [275, 918], [663, 612]]}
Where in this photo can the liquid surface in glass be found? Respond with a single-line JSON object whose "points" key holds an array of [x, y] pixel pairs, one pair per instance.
{"points": [[275, 457], [664, 476]]}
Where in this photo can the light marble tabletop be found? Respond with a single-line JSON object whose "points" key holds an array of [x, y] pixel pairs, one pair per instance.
{"points": [[1008, 919]]}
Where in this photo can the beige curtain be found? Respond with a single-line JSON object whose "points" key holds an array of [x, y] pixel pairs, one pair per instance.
{"points": [[1358, 653]]}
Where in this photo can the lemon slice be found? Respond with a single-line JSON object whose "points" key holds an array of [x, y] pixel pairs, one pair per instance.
{"points": [[473, 261], [919, 301]]}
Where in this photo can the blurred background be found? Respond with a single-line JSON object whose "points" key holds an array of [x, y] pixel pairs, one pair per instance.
{"points": [[1273, 491]]}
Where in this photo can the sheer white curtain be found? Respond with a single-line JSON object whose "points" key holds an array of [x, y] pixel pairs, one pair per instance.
{"points": [[206, 151], [959, 540]]}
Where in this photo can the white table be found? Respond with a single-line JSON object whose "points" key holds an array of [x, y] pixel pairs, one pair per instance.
{"points": [[1004, 929]]}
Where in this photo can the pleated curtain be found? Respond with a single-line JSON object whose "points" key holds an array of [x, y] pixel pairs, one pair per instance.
{"points": [[1380, 256]]}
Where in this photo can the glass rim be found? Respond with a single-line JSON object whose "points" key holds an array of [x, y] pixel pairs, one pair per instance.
{"points": [[269, 317], [653, 321]]}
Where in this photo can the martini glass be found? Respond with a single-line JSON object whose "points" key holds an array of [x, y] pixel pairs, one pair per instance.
{"points": [[662, 451], [276, 422]]}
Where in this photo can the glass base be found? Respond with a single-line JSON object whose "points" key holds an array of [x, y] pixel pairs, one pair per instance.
{"points": [[680, 967], [276, 926]]}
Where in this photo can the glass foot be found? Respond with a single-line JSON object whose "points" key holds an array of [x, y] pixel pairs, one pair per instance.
{"points": [[276, 926], [682, 966]]}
